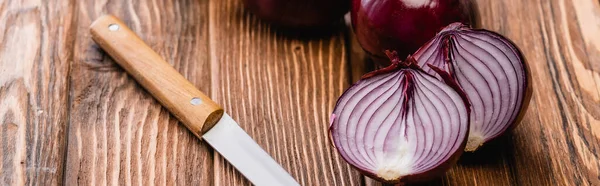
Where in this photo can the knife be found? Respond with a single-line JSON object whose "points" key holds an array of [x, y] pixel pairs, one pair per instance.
{"points": [[202, 116]]}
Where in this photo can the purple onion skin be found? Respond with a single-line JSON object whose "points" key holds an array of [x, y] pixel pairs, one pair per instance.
{"points": [[308, 14], [473, 56], [403, 25], [452, 143]]}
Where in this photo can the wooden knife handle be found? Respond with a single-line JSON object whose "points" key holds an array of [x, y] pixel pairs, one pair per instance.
{"points": [[194, 109]]}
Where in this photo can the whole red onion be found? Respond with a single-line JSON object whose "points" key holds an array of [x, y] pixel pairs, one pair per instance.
{"points": [[299, 13], [403, 25]]}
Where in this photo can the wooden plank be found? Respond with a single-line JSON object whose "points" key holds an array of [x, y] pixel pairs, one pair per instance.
{"points": [[555, 144], [118, 133], [274, 85], [281, 90], [36, 40], [559, 139]]}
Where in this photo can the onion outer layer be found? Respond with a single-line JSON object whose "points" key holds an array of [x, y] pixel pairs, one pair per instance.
{"points": [[404, 25]]}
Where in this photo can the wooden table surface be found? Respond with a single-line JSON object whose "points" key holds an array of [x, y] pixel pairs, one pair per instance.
{"points": [[70, 116]]}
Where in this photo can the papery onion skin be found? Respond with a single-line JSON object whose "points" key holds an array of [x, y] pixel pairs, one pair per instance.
{"points": [[403, 25], [491, 70], [428, 134], [306, 14]]}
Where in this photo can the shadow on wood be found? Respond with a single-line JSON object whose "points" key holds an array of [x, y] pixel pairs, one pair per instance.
{"points": [[490, 154]]}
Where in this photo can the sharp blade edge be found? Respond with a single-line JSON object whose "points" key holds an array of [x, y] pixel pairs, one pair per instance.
{"points": [[233, 143]]}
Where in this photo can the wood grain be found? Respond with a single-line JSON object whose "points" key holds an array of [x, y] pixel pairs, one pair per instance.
{"points": [[69, 115], [281, 90], [36, 44], [555, 144], [118, 133]]}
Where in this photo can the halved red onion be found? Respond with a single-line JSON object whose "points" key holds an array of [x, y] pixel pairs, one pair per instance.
{"points": [[491, 71], [400, 124]]}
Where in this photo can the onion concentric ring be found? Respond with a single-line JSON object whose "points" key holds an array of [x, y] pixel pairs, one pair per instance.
{"points": [[401, 124], [489, 68]]}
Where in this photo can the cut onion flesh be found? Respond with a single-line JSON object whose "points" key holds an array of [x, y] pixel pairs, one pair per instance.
{"points": [[401, 124], [491, 71]]}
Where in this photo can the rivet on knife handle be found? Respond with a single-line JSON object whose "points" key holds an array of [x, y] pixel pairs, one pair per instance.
{"points": [[196, 110]]}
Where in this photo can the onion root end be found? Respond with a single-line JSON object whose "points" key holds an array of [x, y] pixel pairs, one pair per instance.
{"points": [[474, 142]]}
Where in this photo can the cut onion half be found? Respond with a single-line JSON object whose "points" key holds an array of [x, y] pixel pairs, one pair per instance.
{"points": [[401, 124], [491, 71]]}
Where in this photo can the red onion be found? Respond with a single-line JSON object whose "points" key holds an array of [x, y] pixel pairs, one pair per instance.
{"points": [[490, 69], [403, 25], [400, 124], [299, 13]]}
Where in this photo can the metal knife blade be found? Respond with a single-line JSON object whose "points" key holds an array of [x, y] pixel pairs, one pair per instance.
{"points": [[232, 142]]}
